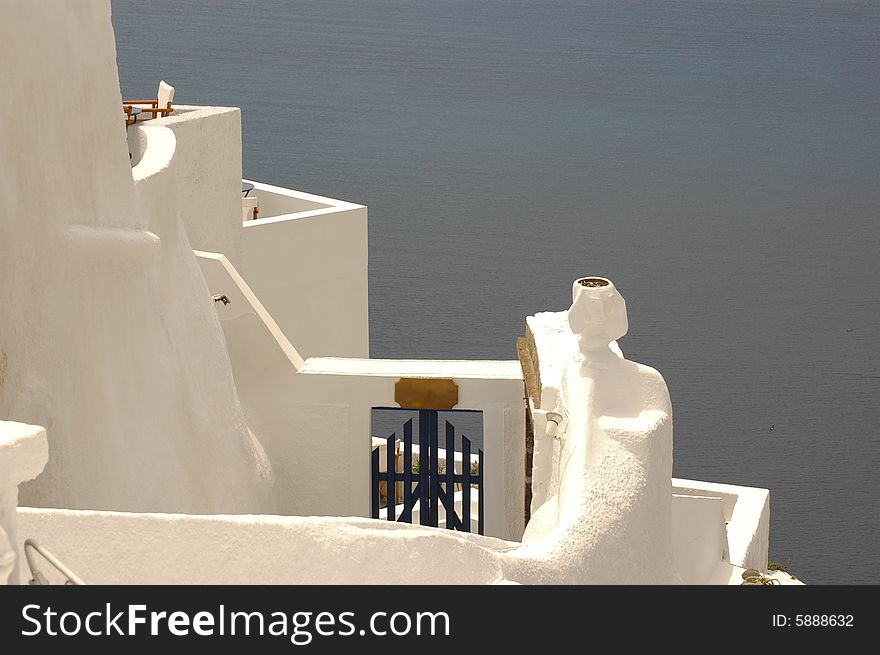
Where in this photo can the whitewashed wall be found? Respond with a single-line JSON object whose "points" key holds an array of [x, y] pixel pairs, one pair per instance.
{"points": [[306, 259], [110, 548], [314, 415], [746, 513], [207, 191], [131, 548], [108, 336]]}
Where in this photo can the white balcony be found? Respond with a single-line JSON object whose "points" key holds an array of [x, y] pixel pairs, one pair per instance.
{"points": [[305, 257]]}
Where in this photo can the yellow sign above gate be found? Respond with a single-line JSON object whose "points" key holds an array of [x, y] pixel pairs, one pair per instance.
{"points": [[426, 393]]}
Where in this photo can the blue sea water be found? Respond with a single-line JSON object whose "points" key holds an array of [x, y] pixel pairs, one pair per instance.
{"points": [[719, 160]]}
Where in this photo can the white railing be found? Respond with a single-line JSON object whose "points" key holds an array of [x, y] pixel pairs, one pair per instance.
{"points": [[31, 549]]}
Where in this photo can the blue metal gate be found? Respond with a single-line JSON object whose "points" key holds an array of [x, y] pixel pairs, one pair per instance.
{"points": [[429, 486]]}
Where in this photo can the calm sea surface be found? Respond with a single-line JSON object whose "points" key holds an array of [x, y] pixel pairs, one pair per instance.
{"points": [[720, 161]]}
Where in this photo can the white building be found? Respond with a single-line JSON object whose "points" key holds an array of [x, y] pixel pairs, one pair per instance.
{"points": [[186, 395]]}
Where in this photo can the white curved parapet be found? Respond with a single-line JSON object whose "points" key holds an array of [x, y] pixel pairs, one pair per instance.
{"points": [[714, 527], [24, 451], [606, 517], [207, 168], [157, 145]]}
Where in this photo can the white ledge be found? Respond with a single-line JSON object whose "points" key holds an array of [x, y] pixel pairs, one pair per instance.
{"points": [[107, 243], [24, 451], [445, 368]]}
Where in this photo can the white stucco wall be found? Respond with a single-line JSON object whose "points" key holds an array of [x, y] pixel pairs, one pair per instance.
{"points": [[23, 454], [108, 336], [308, 266], [108, 548], [129, 548], [699, 540], [746, 511], [207, 191], [493, 387], [314, 415]]}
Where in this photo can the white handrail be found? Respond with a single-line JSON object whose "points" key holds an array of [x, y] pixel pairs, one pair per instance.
{"points": [[37, 577]]}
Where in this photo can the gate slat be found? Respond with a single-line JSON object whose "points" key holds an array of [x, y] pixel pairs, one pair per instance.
{"points": [[435, 469], [391, 473], [406, 515], [466, 483], [375, 485], [424, 465], [482, 497], [450, 476]]}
